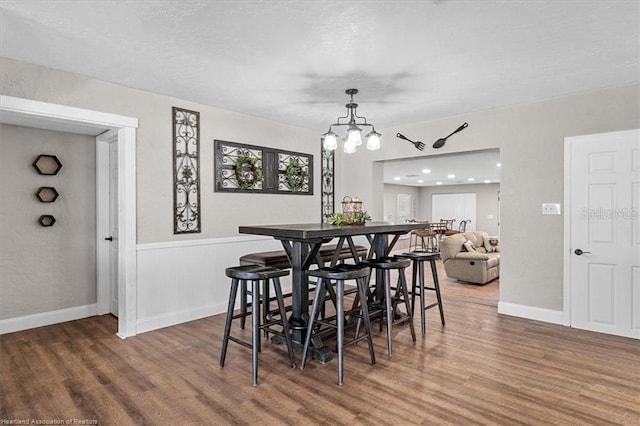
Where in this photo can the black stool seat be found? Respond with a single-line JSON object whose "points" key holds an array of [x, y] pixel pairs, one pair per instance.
{"points": [[277, 324], [385, 265], [418, 284], [339, 274], [255, 272], [419, 255], [279, 259]]}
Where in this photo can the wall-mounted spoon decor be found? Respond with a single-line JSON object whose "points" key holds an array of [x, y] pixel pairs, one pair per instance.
{"points": [[440, 142]]}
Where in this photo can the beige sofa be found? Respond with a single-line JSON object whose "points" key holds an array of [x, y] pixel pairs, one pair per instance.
{"points": [[471, 256]]}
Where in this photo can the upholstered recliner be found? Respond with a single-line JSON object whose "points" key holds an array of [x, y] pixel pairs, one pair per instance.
{"points": [[471, 256]]}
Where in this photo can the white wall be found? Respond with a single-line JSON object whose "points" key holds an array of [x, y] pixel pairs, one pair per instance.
{"points": [[531, 140], [46, 268]]}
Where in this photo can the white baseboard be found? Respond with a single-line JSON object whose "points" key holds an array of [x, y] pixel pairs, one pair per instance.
{"points": [[174, 318], [531, 312], [47, 318]]}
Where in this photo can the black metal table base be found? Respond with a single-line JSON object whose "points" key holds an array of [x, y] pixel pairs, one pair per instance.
{"points": [[318, 350]]}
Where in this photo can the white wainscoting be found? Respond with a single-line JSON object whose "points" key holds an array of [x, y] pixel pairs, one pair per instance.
{"points": [[184, 281], [177, 282]]}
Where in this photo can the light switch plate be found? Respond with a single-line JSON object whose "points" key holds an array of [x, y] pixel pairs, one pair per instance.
{"points": [[550, 208]]}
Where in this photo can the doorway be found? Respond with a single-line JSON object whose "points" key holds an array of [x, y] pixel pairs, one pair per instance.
{"points": [[602, 233], [43, 115]]}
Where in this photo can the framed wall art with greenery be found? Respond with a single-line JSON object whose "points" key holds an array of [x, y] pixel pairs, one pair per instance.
{"points": [[250, 168]]}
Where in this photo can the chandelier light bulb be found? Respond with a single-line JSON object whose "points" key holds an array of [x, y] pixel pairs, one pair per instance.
{"points": [[349, 148], [354, 136], [330, 141], [373, 141]]}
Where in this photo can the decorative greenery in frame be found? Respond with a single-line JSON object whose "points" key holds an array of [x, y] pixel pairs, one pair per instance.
{"points": [[248, 171], [296, 175]]}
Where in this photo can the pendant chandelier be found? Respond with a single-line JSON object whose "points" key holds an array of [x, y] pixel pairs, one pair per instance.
{"points": [[353, 136]]}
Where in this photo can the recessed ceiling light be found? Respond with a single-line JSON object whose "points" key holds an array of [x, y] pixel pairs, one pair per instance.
{"points": [[499, 165], [425, 171], [487, 181], [420, 181], [396, 178], [471, 179], [451, 176], [438, 183]]}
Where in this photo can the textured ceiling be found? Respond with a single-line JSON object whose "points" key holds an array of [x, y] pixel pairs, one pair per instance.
{"points": [[290, 61]]}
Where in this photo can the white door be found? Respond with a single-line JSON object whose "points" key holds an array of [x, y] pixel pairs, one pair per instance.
{"points": [[604, 253], [107, 213], [455, 206], [113, 228]]}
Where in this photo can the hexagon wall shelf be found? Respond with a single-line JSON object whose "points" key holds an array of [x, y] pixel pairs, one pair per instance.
{"points": [[46, 220], [47, 164], [47, 194]]}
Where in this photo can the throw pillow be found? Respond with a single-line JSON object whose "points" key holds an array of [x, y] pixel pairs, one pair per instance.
{"points": [[492, 244], [469, 246]]}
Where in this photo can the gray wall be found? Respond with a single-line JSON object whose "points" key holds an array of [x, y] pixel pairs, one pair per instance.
{"points": [[531, 142], [530, 138], [486, 203], [28, 282], [222, 213], [391, 201], [46, 268]]}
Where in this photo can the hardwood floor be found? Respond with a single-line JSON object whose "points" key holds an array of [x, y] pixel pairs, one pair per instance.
{"points": [[481, 368]]}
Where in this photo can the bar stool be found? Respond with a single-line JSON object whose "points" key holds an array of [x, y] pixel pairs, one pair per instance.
{"points": [[428, 239], [340, 274], [256, 274], [418, 283], [385, 265]]}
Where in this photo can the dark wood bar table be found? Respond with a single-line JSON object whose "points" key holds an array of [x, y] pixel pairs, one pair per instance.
{"points": [[302, 243]]}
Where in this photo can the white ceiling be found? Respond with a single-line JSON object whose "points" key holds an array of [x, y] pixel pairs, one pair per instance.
{"points": [[290, 61]]}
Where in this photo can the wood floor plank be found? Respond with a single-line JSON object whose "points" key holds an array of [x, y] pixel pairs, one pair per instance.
{"points": [[481, 368]]}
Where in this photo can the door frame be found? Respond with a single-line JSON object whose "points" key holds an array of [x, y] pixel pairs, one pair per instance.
{"points": [[44, 115], [569, 142]]}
